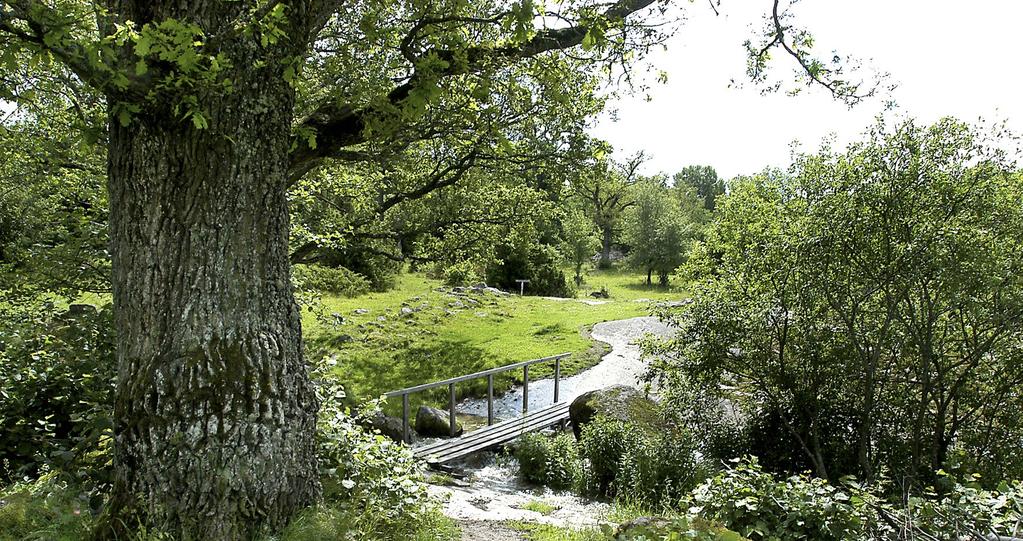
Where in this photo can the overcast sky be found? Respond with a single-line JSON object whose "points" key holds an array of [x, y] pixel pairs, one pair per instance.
{"points": [[962, 58]]}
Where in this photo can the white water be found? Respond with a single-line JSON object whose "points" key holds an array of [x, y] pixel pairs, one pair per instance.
{"points": [[622, 365], [494, 491]]}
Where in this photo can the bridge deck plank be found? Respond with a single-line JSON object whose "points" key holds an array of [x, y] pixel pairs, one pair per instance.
{"points": [[492, 436]]}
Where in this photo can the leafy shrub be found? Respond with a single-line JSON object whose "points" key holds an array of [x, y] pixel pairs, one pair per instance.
{"points": [[549, 460], [538, 263], [461, 274], [755, 504], [45, 509], [335, 280], [659, 470], [57, 373], [376, 478], [625, 462], [602, 444]]}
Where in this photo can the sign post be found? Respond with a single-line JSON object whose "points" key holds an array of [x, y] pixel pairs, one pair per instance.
{"points": [[522, 286]]}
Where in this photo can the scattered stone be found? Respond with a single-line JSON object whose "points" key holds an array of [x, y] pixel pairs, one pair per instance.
{"points": [[406, 311], [473, 302], [338, 318], [360, 311], [642, 528], [481, 314], [386, 425], [602, 294], [480, 286], [434, 423], [456, 304], [642, 300], [450, 312], [458, 289], [620, 402], [381, 318], [342, 339]]}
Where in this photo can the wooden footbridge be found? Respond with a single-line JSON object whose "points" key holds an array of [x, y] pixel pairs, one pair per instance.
{"points": [[494, 434]]}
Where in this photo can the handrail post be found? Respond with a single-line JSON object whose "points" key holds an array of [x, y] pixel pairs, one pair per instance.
{"points": [[525, 389], [404, 418], [451, 408], [490, 399], [557, 378]]}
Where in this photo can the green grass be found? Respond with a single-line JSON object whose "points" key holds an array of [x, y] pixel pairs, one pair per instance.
{"points": [[438, 341], [547, 532], [540, 506]]}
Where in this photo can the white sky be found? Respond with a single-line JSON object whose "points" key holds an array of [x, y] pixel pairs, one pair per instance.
{"points": [[950, 58]]}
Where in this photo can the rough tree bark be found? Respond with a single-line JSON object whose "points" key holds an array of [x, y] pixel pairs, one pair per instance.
{"points": [[215, 412]]}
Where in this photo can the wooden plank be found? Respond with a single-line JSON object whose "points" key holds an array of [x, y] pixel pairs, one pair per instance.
{"points": [[499, 427], [504, 430], [491, 371], [509, 430], [493, 435], [441, 457]]}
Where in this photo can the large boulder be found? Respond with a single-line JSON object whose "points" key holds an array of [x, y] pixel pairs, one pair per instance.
{"points": [[434, 423], [620, 402], [386, 425]]}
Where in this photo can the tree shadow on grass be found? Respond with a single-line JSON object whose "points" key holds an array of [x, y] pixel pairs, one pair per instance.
{"points": [[378, 372]]}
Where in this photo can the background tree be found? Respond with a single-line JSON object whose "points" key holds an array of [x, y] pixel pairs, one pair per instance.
{"points": [[864, 310], [580, 241], [658, 229], [604, 189], [704, 179]]}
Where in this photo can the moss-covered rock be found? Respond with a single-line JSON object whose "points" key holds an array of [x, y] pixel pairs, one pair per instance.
{"points": [[620, 402]]}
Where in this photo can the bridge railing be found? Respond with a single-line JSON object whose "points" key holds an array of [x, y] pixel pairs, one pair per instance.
{"points": [[489, 374]]}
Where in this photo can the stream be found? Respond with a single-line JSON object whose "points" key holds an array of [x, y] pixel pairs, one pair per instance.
{"points": [[494, 491]]}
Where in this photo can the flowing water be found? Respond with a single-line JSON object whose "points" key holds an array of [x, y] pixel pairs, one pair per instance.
{"points": [[493, 490], [622, 365]]}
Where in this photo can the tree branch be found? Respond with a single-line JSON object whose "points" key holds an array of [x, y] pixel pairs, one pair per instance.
{"points": [[339, 126]]}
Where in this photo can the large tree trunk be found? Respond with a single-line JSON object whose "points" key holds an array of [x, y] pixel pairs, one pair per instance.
{"points": [[215, 412]]}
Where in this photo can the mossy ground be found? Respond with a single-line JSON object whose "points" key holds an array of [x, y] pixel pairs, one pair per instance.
{"points": [[382, 349]]}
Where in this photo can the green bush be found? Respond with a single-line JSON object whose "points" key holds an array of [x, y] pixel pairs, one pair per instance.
{"points": [[551, 461], [602, 445], [57, 374], [378, 479], [334, 280], [755, 504], [538, 263], [622, 461], [46, 509], [461, 274]]}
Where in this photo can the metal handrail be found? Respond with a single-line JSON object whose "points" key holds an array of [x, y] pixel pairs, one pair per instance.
{"points": [[489, 374]]}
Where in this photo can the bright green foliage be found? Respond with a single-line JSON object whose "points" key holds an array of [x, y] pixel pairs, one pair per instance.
{"points": [[56, 386], [376, 483], [704, 179], [864, 310], [551, 461], [658, 229], [758, 506], [625, 462], [764, 507], [335, 281], [580, 241]]}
